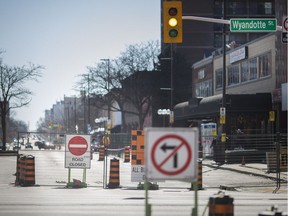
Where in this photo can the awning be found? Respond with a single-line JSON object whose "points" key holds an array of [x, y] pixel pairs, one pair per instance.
{"points": [[204, 108]]}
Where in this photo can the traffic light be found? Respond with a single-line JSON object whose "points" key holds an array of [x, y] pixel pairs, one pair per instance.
{"points": [[172, 21]]}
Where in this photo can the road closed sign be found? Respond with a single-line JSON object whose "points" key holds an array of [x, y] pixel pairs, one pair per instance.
{"points": [[171, 153], [77, 151]]}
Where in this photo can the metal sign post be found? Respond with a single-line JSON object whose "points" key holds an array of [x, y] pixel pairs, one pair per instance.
{"points": [[77, 155]]}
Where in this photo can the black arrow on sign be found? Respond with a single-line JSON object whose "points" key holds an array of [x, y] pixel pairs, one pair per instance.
{"points": [[165, 147]]}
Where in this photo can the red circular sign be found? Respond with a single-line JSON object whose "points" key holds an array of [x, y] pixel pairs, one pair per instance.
{"points": [[182, 144], [77, 145], [285, 24]]}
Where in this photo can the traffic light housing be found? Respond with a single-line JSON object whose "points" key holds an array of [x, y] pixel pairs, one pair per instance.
{"points": [[172, 21]]}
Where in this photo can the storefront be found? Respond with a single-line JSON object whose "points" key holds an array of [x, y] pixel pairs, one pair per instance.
{"points": [[247, 112]]}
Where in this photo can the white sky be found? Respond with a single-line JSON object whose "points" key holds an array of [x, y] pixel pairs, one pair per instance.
{"points": [[66, 36]]}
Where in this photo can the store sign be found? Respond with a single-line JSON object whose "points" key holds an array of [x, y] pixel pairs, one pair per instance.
{"points": [[238, 55]]}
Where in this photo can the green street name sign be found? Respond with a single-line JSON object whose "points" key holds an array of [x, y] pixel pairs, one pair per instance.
{"points": [[253, 25]]}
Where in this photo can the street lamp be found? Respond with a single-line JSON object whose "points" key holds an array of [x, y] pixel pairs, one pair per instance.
{"points": [[87, 125], [171, 121], [108, 82]]}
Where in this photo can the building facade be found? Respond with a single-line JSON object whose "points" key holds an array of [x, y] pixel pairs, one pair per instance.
{"points": [[203, 41], [251, 70]]}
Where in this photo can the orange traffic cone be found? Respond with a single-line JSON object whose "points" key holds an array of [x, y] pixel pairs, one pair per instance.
{"points": [[243, 161]]}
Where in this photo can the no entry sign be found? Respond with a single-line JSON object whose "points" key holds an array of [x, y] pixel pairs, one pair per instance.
{"points": [[77, 151], [171, 153], [78, 145]]}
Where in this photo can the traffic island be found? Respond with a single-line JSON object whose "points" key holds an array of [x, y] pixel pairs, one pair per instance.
{"points": [[76, 184], [151, 186]]}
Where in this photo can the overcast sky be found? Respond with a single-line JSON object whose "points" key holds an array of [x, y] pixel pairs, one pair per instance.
{"points": [[66, 36]]}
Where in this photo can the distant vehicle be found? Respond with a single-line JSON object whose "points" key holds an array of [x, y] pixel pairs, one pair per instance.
{"points": [[16, 146], [95, 147], [44, 145], [28, 146], [7, 146]]}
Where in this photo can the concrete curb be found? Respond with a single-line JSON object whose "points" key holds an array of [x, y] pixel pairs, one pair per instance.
{"points": [[8, 153], [244, 172]]}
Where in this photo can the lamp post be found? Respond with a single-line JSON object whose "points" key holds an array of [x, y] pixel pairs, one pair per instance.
{"points": [[171, 120], [108, 82], [87, 124]]}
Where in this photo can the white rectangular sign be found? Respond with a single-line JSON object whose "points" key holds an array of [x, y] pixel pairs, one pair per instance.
{"points": [[171, 153], [78, 151], [137, 173]]}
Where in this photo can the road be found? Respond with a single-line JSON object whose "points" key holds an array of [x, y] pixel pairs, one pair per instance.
{"points": [[50, 196]]}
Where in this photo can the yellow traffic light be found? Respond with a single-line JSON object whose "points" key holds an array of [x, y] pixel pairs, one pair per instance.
{"points": [[172, 21]]}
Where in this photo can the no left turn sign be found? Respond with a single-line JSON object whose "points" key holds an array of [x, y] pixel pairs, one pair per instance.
{"points": [[171, 153], [285, 25], [285, 31], [171, 147]]}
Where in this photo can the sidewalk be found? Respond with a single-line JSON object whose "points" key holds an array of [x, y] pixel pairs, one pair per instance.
{"points": [[258, 169]]}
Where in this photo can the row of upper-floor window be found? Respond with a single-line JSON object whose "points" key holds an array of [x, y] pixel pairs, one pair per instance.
{"points": [[245, 7], [243, 72]]}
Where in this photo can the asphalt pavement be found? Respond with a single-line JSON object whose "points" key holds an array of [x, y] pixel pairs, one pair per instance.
{"points": [[172, 199]]}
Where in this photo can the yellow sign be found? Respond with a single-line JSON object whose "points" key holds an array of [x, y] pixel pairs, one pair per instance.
{"points": [[223, 137], [222, 119], [214, 132], [272, 116], [106, 140]]}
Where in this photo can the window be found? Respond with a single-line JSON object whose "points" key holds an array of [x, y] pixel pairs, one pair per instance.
{"points": [[253, 68], [236, 8], [245, 71], [219, 78], [261, 8], [204, 89], [268, 8], [233, 74], [218, 8], [218, 39], [264, 65]]}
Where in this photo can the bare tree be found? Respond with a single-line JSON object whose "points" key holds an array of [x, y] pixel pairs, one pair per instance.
{"points": [[14, 93], [106, 79]]}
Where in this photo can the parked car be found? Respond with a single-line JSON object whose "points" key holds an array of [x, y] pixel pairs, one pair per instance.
{"points": [[45, 145], [16, 146], [7, 146], [49, 145], [28, 146]]}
